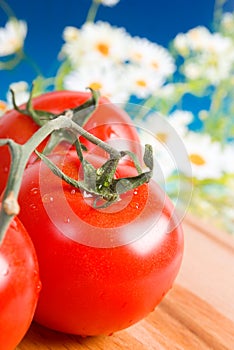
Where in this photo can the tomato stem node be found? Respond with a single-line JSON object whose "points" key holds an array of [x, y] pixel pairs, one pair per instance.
{"points": [[10, 205]]}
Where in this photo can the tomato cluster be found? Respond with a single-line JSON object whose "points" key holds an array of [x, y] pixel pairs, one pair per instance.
{"points": [[102, 269]]}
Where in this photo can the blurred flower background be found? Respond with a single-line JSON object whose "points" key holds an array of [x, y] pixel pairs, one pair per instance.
{"points": [[194, 149]]}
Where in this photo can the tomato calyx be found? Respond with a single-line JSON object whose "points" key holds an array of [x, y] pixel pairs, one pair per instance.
{"points": [[101, 182], [80, 115]]}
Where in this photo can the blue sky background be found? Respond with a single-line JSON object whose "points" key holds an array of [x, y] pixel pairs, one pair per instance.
{"points": [[157, 20]]}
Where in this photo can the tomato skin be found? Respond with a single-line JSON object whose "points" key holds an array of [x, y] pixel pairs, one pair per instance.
{"points": [[91, 289], [19, 285], [20, 128]]}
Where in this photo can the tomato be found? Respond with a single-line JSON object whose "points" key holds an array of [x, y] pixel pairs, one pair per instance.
{"points": [[114, 122], [102, 270], [19, 285]]}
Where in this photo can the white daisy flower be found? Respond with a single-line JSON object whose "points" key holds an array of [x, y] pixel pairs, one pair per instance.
{"points": [[193, 70], [151, 55], [227, 23], [73, 45], [167, 142], [164, 163], [71, 34], [219, 44], [166, 91], [211, 55], [180, 120], [198, 38], [220, 58], [108, 2], [227, 159], [204, 156], [20, 91], [104, 42], [169, 129], [142, 82], [105, 78], [181, 44], [12, 36], [214, 66]]}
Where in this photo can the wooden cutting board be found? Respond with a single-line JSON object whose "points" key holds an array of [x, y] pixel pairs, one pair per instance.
{"points": [[182, 321], [197, 314]]}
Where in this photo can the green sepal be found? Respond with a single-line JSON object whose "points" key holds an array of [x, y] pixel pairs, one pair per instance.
{"points": [[38, 116], [101, 182], [82, 113], [148, 157], [134, 159]]}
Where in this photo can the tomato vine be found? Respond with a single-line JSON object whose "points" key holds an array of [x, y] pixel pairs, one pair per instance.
{"points": [[104, 186]]}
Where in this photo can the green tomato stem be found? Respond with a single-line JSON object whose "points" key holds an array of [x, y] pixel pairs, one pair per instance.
{"points": [[21, 154], [99, 182]]}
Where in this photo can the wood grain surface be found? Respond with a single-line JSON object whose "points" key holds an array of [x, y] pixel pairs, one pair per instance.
{"points": [[197, 314]]}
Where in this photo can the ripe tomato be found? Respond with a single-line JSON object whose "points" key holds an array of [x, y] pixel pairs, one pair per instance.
{"points": [[114, 122], [102, 270], [19, 285]]}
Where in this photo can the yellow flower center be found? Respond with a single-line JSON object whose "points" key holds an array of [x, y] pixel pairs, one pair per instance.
{"points": [[161, 137], [3, 106], [197, 159], [194, 35], [137, 56], [141, 83], [95, 85], [155, 65], [103, 48]]}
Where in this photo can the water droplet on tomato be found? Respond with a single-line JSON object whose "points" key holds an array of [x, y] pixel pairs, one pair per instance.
{"points": [[135, 205], [38, 287], [34, 190], [135, 192], [87, 194], [5, 271], [4, 267], [32, 206], [66, 220], [6, 169], [47, 198], [73, 191]]}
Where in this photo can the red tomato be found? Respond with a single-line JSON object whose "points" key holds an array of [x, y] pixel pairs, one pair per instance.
{"points": [[20, 127], [102, 270], [19, 285]]}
